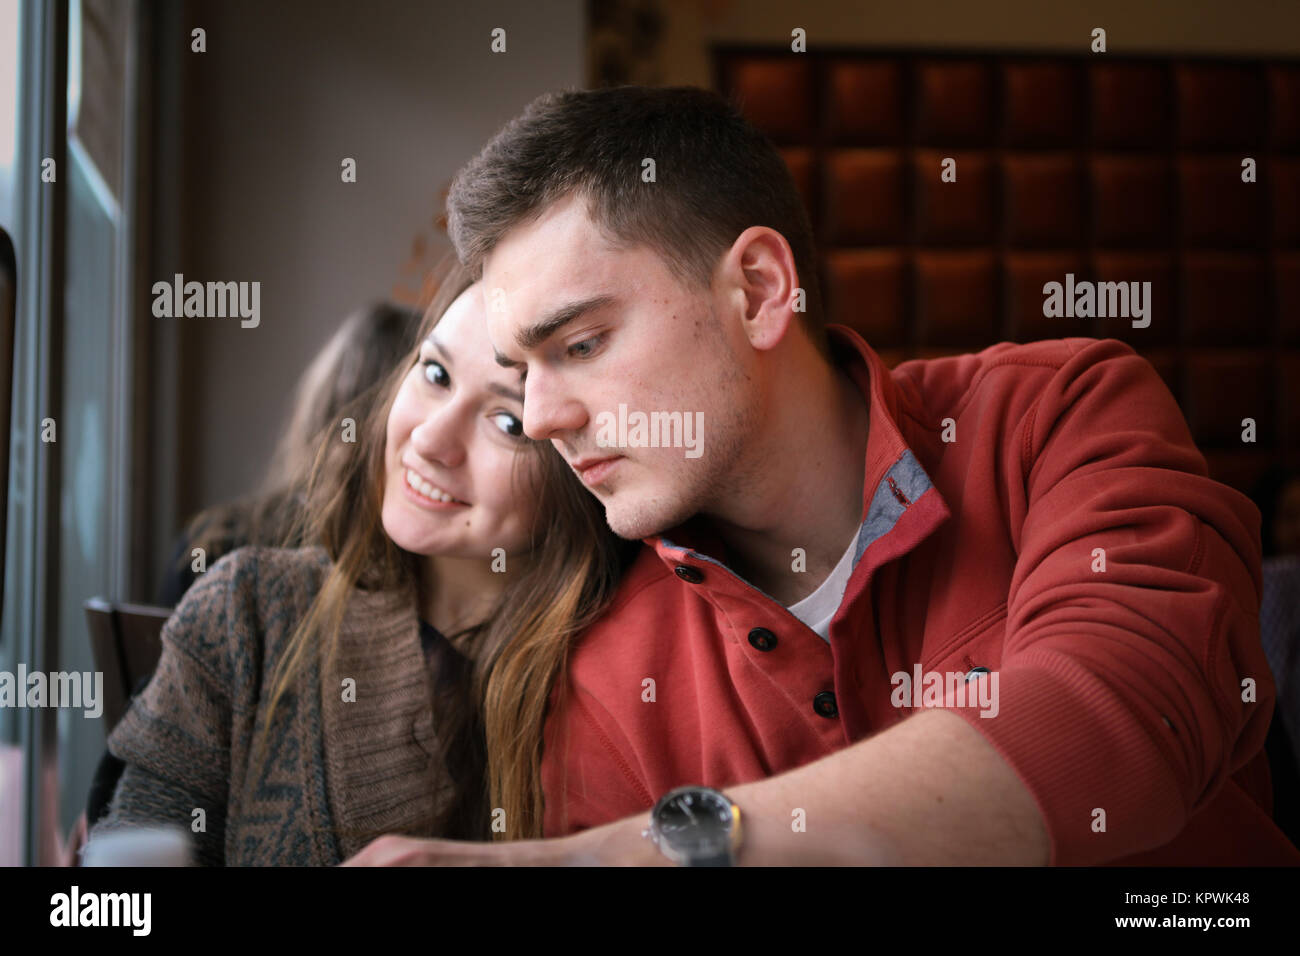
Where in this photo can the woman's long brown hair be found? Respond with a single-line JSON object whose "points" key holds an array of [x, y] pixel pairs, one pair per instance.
{"points": [[491, 727]]}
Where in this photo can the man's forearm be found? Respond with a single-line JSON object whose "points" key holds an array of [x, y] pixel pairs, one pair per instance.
{"points": [[930, 790]]}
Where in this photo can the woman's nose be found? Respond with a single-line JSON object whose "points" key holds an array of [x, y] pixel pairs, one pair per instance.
{"points": [[441, 436]]}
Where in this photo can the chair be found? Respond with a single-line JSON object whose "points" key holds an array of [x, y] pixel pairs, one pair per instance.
{"points": [[126, 641]]}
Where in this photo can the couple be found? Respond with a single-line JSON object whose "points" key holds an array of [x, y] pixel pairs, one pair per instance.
{"points": [[628, 641]]}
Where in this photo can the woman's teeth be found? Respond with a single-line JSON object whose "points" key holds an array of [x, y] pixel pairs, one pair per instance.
{"points": [[428, 490]]}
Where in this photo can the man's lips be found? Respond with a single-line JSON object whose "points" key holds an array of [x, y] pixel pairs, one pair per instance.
{"points": [[582, 464], [593, 470]]}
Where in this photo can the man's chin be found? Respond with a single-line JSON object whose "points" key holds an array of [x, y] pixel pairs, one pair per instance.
{"points": [[636, 524]]}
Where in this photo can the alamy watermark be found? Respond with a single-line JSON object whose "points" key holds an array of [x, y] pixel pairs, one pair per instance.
{"points": [[58, 689], [975, 688], [651, 430], [129, 910], [211, 300], [1084, 300]]}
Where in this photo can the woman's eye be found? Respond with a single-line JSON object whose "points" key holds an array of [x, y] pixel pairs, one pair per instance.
{"points": [[435, 373], [509, 424]]}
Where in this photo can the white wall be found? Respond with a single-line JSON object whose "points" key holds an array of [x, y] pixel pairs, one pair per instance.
{"points": [[283, 93]]}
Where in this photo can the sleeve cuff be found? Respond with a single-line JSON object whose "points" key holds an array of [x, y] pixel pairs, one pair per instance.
{"points": [[1101, 782]]}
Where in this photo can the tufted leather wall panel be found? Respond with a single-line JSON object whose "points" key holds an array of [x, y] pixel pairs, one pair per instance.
{"points": [[1114, 169]]}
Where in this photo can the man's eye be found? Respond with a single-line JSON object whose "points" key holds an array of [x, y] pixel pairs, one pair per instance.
{"points": [[509, 424], [585, 348], [434, 373]]}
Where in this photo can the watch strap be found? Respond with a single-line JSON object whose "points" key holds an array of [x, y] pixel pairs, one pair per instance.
{"points": [[719, 859]]}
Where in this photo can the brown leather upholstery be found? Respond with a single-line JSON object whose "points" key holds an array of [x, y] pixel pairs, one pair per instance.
{"points": [[1112, 168]]}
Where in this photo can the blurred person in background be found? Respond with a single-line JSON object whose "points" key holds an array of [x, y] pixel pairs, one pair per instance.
{"points": [[367, 345]]}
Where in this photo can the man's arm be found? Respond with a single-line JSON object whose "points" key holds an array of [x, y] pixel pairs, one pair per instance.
{"points": [[930, 790]]}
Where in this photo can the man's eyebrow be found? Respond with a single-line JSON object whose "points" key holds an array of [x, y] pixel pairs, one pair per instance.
{"points": [[534, 335]]}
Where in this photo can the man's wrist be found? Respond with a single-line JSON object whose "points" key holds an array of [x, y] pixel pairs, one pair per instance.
{"points": [[772, 837], [615, 844], [768, 841]]}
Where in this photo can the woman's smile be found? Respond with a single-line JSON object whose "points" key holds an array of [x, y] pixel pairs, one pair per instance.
{"points": [[428, 494]]}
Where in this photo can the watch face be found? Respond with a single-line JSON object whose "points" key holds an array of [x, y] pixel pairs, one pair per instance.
{"points": [[695, 821]]}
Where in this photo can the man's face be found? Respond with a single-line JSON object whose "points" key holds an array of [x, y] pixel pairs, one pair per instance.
{"points": [[592, 326]]}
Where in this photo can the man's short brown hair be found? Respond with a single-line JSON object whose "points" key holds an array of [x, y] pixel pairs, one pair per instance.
{"points": [[715, 176]]}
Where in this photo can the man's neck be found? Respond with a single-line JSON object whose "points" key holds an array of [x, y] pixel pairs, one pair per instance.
{"points": [[803, 501]]}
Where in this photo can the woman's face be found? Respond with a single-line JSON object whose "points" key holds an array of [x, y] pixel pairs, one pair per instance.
{"points": [[455, 444]]}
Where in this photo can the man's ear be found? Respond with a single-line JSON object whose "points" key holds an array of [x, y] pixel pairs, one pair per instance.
{"points": [[759, 272]]}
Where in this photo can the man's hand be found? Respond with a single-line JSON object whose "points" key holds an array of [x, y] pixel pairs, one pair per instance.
{"points": [[395, 850], [615, 844]]}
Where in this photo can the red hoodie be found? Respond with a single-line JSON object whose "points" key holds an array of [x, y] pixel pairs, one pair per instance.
{"points": [[992, 480]]}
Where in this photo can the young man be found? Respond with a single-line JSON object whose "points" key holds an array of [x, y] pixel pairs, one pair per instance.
{"points": [[977, 610]]}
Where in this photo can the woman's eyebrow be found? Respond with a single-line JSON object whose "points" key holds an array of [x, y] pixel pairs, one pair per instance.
{"points": [[441, 351], [505, 392]]}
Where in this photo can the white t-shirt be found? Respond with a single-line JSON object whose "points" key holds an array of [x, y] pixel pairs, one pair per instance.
{"points": [[817, 609]]}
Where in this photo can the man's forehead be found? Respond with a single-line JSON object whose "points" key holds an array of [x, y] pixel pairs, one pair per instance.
{"points": [[550, 268], [517, 297], [564, 240]]}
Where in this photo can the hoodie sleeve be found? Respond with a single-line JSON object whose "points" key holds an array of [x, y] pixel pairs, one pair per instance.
{"points": [[1132, 682]]}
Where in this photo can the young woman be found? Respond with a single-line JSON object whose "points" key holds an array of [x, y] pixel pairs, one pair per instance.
{"points": [[293, 717]]}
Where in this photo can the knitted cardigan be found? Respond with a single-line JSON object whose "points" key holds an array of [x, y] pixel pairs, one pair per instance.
{"points": [[341, 772]]}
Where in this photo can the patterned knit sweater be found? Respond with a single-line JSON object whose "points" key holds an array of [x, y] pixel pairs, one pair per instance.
{"points": [[340, 773]]}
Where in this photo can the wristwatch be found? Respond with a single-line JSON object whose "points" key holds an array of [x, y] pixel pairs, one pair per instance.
{"points": [[696, 826]]}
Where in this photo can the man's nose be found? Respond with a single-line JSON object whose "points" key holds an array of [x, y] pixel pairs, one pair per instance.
{"points": [[549, 410]]}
